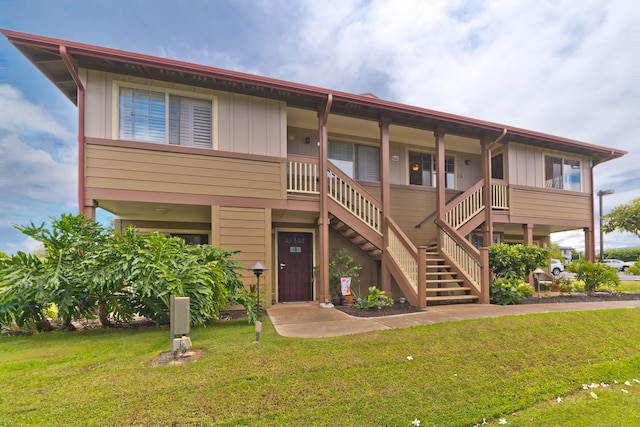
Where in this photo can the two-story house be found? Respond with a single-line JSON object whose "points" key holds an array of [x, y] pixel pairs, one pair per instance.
{"points": [[286, 173]]}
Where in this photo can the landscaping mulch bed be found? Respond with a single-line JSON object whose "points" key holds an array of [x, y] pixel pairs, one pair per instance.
{"points": [[581, 297], [550, 298]]}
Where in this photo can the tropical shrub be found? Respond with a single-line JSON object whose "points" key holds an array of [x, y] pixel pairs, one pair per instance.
{"points": [[506, 291], [516, 261], [595, 275], [635, 268], [87, 269], [374, 299]]}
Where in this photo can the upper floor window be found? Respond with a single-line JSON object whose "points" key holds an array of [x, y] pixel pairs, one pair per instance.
{"points": [[359, 161], [562, 173], [422, 170], [144, 116]]}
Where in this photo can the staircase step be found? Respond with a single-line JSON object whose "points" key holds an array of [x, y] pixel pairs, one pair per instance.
{"points": [[433, 281], [439, 266], [453, 298], [449, 289], [436, 260]]}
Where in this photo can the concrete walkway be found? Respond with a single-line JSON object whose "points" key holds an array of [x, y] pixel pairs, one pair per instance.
{"points": [[308, 320]]}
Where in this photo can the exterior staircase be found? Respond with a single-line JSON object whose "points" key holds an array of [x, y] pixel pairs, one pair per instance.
{"points": [[442, 283]]}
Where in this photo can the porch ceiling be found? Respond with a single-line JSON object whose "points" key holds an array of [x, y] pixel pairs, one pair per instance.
{"points": [[157, 211]]}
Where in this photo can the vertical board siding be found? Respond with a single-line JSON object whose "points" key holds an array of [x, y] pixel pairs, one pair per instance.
{"points": [[248, 125]]}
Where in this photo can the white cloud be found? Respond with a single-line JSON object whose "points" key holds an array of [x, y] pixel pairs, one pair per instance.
{"points": [[23, 117], [27, 172], [27, 245]]}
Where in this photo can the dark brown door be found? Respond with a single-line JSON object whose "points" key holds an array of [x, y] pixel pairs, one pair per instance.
{"points": [[295, 268]]}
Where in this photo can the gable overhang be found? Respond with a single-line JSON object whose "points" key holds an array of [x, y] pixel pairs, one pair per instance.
{"points": [[45, 54]]}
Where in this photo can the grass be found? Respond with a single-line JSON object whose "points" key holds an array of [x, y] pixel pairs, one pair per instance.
{"points": [[626, 286], [461, 372]]}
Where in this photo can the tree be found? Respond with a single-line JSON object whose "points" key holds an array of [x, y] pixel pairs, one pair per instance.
{"points": [[624, 218]]}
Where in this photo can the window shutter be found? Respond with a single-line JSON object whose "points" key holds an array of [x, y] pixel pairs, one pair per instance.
{"points": [[368, 163], [190, 122]]}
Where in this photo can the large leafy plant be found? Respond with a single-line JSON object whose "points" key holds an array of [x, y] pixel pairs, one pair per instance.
{"points": [[510, 265], [595, 275]]}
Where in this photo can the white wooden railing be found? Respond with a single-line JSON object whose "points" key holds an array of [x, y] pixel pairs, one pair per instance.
{"points": [[464, 261], [406, 260], [466, 208], [364, 207], [302, 177], [499, 196]]}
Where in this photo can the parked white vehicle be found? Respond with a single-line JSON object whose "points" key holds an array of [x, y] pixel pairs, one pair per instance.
{"points": [[617, 264], [556, 266]]}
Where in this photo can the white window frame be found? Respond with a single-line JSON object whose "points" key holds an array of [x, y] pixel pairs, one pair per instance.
{"points": [[563, 158], [117, 85], [355, 160], [434, 181]]}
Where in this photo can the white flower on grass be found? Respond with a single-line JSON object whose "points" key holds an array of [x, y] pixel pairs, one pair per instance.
{"points": [[484, 422], [615, 381], [585, 387], [603, 385], [502, 421], [624, 391], [636, 381], [627, 383], [409, 357], [595, 396], [559, 399], [593, 385], [415, 422]]}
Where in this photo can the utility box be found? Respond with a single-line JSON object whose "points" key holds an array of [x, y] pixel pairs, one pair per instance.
{"points": [[179, 315]]}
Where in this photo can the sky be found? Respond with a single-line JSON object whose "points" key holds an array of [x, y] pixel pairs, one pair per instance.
{"points": [[565, 67]]}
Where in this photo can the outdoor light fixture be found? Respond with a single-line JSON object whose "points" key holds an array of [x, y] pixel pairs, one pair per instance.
{"points": [[415, 167], [307, 140], [258, 268], [600, 194]]}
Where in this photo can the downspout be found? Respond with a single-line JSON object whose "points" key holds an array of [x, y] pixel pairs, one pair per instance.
{"points": [[323, 220], [81, 93], [498, 139]]}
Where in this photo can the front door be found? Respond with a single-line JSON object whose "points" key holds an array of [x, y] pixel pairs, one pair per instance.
{"points": [[295, 269]]}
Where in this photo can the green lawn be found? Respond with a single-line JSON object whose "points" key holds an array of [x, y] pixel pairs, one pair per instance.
{"points": [[461, 372], [629, 287]]}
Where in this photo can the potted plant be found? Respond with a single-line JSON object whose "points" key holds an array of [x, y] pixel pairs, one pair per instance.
{"points": [[342, 265]]}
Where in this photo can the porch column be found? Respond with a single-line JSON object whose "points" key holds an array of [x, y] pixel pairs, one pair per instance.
{"points": [[440, 179], [324, 296], [487, 199], [386, 199], [589, 245], [528, 234], [528, 240]]}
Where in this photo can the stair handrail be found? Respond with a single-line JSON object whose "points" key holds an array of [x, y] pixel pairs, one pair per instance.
{"points": [[404, 253], [462, 254], [464, 207], [354, 198]]}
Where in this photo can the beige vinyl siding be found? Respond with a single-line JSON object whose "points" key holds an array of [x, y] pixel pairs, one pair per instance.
{"points": [[247, 230], [242, 124], [550, 205], [145, 170]]}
